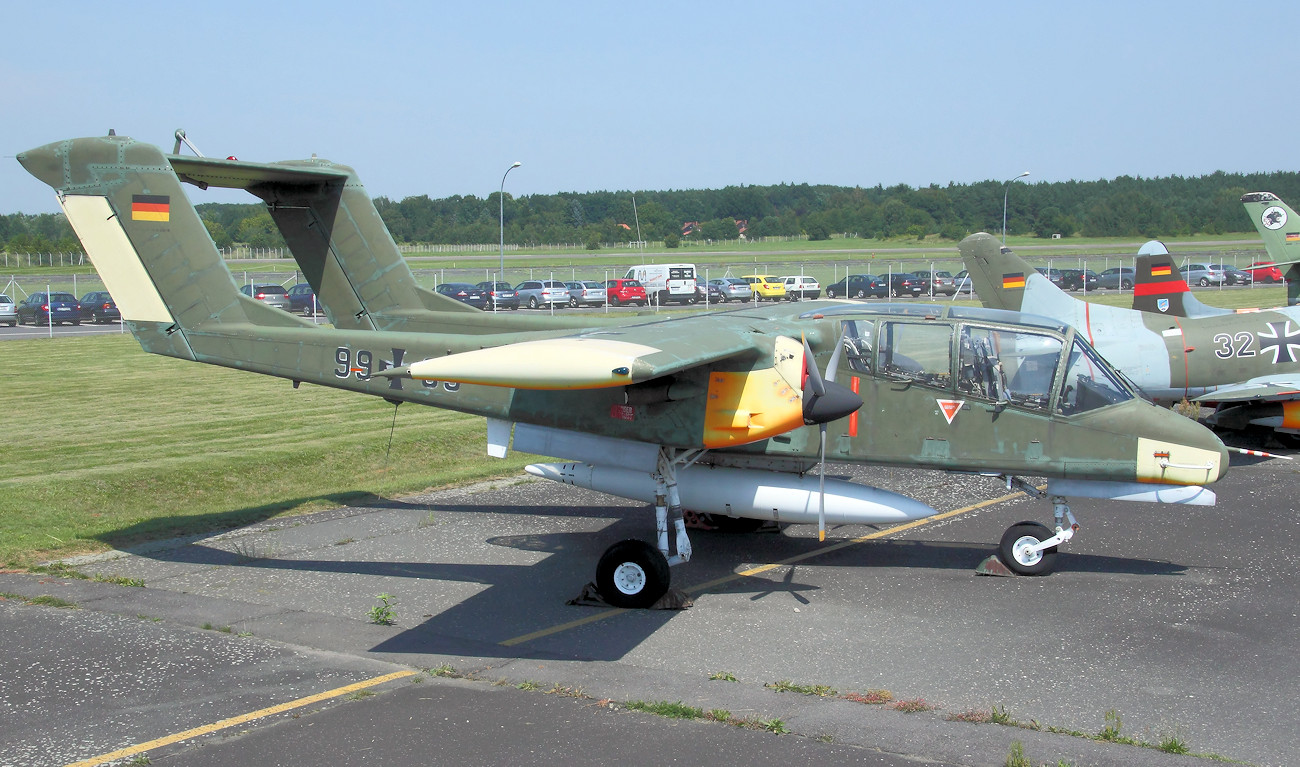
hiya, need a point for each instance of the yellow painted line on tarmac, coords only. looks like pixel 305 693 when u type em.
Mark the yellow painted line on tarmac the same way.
pixel 237 720
pixel 706 586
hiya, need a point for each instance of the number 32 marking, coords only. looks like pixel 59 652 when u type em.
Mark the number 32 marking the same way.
pixel 1229 346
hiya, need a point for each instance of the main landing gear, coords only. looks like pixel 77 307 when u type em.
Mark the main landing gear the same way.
pixel 633 573
pixel 1029 548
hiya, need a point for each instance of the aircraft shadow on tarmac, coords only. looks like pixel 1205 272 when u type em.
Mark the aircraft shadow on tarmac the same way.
pixel 526 598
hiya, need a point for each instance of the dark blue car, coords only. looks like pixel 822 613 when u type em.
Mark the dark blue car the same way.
pixel 302 300
pixel 57 309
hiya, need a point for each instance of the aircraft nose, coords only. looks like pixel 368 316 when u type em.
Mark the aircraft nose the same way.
pixel 1181 452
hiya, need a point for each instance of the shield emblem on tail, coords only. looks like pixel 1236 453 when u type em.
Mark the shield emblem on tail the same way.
pixel 1162 304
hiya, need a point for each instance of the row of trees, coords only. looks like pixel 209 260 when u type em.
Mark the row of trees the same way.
pixel 1125 206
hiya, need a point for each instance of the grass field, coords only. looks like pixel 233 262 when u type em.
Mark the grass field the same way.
pixel 106 445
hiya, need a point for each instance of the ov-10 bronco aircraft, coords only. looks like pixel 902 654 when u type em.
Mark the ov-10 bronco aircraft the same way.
pixel 1247 364
pixel 731 414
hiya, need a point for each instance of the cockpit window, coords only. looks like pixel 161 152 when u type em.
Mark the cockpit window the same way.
pixel 916 352
pixel 1088 384
pixel 858 347
pixel 1007 366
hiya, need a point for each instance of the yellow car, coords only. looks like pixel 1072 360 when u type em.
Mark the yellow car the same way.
pixel 766 287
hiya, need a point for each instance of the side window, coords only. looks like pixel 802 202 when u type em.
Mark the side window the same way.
pixel 631 274
pixel 1007 366
pixel 1088 383
pixel 916 352
pixel 858 347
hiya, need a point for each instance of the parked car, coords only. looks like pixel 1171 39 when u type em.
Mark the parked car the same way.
pixel 465 293
pixel 962 283
pixel 1078 279
pixel 8 311
pixel 858 286
pixel 303 299
pixel 906 284
pixel 733 289
pixel 626 291
pixel 98 307
pixel 1264 271
pixel 538 293
pixel 1117 277
pixel 585 293
pixel 1203 275
pixel 500 295
pixel 766 286
pixel 710 293
pixel 1233 275
pixel 1051 273
pixel 800 286
pixel 941 282
pixel 57 309
pixel 271 295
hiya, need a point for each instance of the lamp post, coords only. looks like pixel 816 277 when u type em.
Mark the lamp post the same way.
pixel 501 198
pixel 1006 189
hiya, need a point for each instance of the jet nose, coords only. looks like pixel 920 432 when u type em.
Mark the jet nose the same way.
pixel 1180 451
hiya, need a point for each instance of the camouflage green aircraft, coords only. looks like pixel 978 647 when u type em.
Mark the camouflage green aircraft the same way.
pixel 1247 364
pixel 728 414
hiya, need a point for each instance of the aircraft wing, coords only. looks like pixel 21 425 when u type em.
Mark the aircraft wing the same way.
pixel 593 360
pixel 1271 389
pixel 237 174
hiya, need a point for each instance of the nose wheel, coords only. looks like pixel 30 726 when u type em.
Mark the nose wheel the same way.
pixel 1020 549
pixel 632 573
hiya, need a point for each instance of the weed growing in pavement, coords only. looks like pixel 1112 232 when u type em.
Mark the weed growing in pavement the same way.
pixel 383 613
pixel 913 706
pixel 718 715
pixel 870 697
pixel 1110 731
pixel 676 710
pixel 362 695
pixel 45 600
pixel 1017 756
pixel 785 685
pixel 528 684
pixel 722 676
pixel 443 670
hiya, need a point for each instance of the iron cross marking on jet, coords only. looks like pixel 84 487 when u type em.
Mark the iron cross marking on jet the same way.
pixel 395 362
pixel 1280 335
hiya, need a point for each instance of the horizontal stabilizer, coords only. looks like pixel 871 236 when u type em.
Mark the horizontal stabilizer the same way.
pixel 1276 390
pixel 237 174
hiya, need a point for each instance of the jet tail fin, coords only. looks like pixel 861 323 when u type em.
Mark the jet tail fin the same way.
pixel 146 240
pixel 1159 286
pixel 1000 277
pixel 1279 227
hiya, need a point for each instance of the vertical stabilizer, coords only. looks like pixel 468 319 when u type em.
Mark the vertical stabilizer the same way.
pixel 1279 227
pixel 1159 286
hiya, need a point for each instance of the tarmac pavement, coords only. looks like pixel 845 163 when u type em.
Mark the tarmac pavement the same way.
pixel 1180 619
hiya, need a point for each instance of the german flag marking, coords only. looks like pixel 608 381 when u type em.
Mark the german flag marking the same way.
pixel 1161 271
pixel 150 207
pixel 1013 280
pixel 1293 236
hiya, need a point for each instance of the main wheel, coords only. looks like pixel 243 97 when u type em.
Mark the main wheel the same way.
pixel 1013 549
pixel 1204 283
pixel 632 573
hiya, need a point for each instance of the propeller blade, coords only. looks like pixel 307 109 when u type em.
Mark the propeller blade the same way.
pixel 810 370
pixel 833 366
pixel 824 401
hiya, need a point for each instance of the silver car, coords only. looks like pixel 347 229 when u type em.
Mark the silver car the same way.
pixel 271 295
pixel 1203 275
pixel 733 289
pixel 586 293
pixel 8 312
pixel 538 293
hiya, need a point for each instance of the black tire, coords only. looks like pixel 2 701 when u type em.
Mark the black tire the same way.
pixel 860 294
pixel 615 302
pixel 893 292
pixel 1038 563
pixel 76 322
pixel 1205 283
pixel 532 302
pixel 1126 284
pixel 632 573
pixel 573 303
pixel 830 293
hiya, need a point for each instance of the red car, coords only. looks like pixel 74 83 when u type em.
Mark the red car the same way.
pixel 1264 271
pixel 625 291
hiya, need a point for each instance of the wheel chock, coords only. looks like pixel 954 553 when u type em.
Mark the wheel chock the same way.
pixel 993 566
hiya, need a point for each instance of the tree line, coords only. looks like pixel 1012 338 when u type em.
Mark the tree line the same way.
pixel 1120 207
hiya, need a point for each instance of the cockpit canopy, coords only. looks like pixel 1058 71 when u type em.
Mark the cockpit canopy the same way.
pixel 1046 369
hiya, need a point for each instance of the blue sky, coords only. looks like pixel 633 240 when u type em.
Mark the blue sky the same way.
pixel 440 98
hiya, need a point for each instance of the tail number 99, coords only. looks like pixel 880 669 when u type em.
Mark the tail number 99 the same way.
pixel 346 364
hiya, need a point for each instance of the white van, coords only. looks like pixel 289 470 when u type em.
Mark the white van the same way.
pixel 666 282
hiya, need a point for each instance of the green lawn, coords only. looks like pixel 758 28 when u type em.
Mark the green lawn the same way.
pixel 107 445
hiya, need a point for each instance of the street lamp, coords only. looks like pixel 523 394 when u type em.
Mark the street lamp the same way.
pixel 1006 189
pixel 501 198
